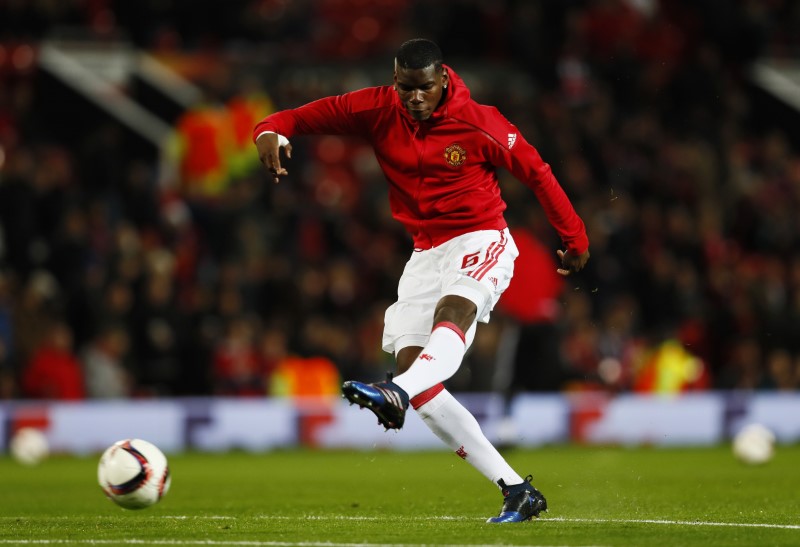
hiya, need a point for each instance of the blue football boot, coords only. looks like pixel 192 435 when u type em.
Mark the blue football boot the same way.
pixel 386 400
pixel 521 502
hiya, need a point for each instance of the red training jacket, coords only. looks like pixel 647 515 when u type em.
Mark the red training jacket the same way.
pixel 442 171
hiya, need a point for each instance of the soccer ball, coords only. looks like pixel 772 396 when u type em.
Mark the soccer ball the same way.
pixel 133 473
pixel 29 446
pixel 754 444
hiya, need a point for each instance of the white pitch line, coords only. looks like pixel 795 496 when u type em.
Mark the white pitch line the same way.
pixel 543 520
pixel 215 542
pixel 677 523
pixel 203 542
pixel 663 522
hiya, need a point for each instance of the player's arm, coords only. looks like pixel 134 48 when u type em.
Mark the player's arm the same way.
pixel 328 116
pixel 524 162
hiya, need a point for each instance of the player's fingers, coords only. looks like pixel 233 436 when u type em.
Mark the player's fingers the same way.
pixel 569 263
pixel 288 149
pixel 274 162
pixel 277 173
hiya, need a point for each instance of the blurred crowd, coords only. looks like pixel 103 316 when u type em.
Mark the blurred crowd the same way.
pixel 123 274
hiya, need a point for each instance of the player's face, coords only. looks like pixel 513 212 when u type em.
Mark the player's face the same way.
pixel 420 89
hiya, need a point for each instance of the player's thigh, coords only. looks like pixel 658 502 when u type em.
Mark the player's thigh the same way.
pixel 408 321
pixel 479 267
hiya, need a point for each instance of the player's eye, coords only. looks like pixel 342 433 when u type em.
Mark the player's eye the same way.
pixel 408 88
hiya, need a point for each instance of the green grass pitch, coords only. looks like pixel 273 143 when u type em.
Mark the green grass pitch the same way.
pixel 597 496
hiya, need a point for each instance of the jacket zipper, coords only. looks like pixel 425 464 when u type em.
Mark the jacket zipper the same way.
pixel 420 155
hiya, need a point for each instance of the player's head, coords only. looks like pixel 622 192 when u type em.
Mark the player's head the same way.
pixel 419 77
pixel 419 53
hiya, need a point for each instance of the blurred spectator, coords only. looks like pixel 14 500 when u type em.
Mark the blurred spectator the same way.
pixel 6 315
pixel 273 348
pixel 744 368
pixel 158 331
pixel 7 371
pixel 53 371
pixel 782 372
pixel 236 365
pixel 670 369
pixel 210 146
pixel 247 106
pixel 104 364
pixel 531 339
pixel 621 345
pixel 479 367
pixel 313 384
pixel 306 378
pixel 34 308
pixel 197 154
pixel 8 384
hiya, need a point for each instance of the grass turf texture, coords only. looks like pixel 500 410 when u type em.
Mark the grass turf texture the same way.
pixel 597 496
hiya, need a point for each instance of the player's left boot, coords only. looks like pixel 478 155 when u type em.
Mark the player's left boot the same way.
pixel 521 502
pixel 386 400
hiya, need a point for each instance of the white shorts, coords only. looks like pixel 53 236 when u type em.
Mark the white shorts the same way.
pixel 477 266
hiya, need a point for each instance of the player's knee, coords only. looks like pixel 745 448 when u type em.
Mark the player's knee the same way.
pixel 457 310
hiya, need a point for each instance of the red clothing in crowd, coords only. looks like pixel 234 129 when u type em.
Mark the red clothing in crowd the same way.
pixel 532 295
pixel 53 373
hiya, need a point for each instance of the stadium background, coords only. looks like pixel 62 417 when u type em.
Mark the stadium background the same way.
pixel 144 256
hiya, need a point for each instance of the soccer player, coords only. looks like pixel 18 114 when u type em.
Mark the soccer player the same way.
pixel 440 152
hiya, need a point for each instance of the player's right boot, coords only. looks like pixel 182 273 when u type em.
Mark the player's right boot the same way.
pixel 386 400
pixel 521 502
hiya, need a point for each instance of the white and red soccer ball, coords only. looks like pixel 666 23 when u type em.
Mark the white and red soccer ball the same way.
pixel 133 473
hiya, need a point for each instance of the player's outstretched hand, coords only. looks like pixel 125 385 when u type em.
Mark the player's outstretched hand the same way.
pixel 570 262
pixel 269 146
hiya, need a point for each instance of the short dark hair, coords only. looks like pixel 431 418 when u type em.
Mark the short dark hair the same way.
pixel 419 53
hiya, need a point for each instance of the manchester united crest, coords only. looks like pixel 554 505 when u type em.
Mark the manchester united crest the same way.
pixel 454 155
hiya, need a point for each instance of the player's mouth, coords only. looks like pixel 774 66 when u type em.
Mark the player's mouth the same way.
pixel 418 112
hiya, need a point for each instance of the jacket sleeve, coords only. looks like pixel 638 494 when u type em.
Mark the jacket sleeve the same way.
pixel 524 162
pixel 327 116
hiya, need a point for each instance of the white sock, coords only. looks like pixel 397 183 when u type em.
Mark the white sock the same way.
pixel 438 360
pixel 459 430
